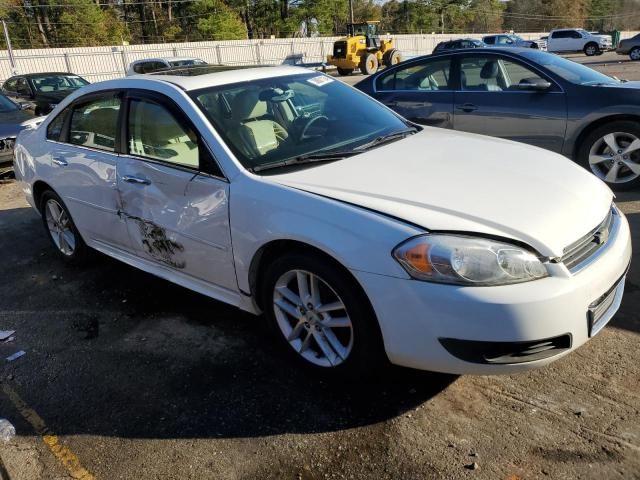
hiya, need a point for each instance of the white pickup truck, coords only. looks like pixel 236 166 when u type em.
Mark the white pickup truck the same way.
pixel 578 40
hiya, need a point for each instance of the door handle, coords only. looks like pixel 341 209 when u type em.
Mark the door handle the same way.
pixel 136 180
pixel 467 107
pixel 60 161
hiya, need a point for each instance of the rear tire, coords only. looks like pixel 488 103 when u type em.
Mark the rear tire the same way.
pixel 61 230
pixel 345 71
pixel 634 54
pixel 299 323
pixel 591 49
pixel 369 64
pixel 608 153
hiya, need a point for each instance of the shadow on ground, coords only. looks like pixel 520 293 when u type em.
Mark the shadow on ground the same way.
pixel 114 351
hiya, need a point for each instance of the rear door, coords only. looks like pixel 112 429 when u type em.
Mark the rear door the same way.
pixel 420 91
pixel 490 102
pixel 82 143
pixel 559 41
pixel 175 198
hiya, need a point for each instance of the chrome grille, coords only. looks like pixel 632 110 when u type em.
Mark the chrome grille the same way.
pixel 583 248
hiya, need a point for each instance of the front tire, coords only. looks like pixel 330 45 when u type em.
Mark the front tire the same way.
pixel 320 317
pixel 345 71
pixel 634 54
pixel 369 64
pixel 61 230
pixel 591 49
pixel 612 153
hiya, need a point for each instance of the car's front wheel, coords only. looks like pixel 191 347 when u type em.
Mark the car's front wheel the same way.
pixel 612 153
pixel 345 71
pixel 320 316
pixel 591 49
pixel 634 54
pixel 61 229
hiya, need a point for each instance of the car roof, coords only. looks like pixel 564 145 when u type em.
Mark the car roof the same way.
pixel 166 59
pixel 214 75
pixel 476 51
pixel 38 74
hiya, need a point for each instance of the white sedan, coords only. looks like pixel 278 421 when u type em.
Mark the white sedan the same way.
pixel 360 236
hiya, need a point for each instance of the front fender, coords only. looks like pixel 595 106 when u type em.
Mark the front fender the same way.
pixel 262 211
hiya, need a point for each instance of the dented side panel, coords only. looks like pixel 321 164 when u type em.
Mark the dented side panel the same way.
pixel 178 219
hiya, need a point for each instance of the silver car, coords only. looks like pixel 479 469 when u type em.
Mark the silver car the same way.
pixel 631 47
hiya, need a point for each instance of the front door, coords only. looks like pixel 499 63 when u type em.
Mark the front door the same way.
pixel 420 92
pixel 175 202
pixel 492 101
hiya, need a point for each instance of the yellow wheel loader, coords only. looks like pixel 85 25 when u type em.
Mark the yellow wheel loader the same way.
pixel 363 49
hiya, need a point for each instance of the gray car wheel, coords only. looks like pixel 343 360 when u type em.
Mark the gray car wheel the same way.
pixel 612 153
pixel 634 54
pixel 61 230
pixel 591 49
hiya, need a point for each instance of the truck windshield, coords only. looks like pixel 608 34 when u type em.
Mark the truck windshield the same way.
pixel 571 71
pixel 270 120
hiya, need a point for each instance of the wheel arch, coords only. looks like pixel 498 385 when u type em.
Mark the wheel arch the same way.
pixel 271 250
pixel 38 188
pixel 599 123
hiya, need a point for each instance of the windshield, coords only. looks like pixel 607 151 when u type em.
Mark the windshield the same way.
pixel 275 119
pixel 187 62
pixel 56 83
pixel 571 71
pixel 7 105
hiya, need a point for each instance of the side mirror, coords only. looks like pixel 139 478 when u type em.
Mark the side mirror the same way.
pixel 535 84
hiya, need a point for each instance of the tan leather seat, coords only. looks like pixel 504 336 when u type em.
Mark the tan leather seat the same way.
pixel 253 134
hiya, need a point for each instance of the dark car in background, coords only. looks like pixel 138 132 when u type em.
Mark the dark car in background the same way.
pixel 458 44
pixel 508 40
pixel 44 90
pixel 13 119
pixel 524 95
pixel 630 46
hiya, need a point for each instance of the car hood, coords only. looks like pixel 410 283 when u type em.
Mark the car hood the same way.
pixel 452 181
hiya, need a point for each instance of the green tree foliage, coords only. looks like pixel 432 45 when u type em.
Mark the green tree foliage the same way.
pixel 51 23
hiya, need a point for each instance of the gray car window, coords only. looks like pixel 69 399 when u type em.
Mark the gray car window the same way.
pixel 432 75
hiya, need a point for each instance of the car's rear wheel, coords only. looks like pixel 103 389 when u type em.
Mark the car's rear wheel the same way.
pixel 345 71
pixel 612 153
pixel 634 54
pixel 591 49
pixel 320 316
pixel 61 229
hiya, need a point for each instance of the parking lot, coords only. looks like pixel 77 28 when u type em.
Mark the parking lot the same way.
pixel 128 376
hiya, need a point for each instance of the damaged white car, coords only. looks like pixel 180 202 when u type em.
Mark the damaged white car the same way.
pixel 360 236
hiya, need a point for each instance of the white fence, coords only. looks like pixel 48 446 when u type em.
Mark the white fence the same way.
pixel 103 63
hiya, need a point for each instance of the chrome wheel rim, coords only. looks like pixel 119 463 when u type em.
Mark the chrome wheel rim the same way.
pixel 635 54
pixel 313 318
pixel 615 158
pixel 59 225
pixel 591 50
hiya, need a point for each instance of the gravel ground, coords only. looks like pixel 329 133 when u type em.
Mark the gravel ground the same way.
pixel 127 376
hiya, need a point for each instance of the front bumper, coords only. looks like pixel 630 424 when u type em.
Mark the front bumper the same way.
pixel 415 316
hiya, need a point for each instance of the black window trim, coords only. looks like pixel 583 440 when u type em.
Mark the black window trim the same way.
pixel 208 165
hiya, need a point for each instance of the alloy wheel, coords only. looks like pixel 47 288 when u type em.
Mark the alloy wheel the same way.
pixel 591 50
pixel 615 157
pixel 635 54
pixel 60 229
pixel 313 318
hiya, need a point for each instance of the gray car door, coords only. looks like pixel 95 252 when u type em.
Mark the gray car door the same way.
pixel 420 91
pixel 493 99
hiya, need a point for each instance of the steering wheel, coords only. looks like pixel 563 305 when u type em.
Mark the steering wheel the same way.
pixel 312 120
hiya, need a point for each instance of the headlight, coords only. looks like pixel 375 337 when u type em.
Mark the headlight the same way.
pixel 464 260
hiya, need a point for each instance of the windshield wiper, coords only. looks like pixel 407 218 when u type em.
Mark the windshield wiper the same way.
pixel 313 157
pixel 389 137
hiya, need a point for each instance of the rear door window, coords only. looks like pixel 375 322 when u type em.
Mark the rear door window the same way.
pixel 94 123
pixel 431 75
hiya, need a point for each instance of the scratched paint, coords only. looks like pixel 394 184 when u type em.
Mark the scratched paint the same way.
pixel 158 245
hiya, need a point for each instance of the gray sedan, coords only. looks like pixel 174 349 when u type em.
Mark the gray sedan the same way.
pixel 630 46
pixel 525 95
pixel 13 118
